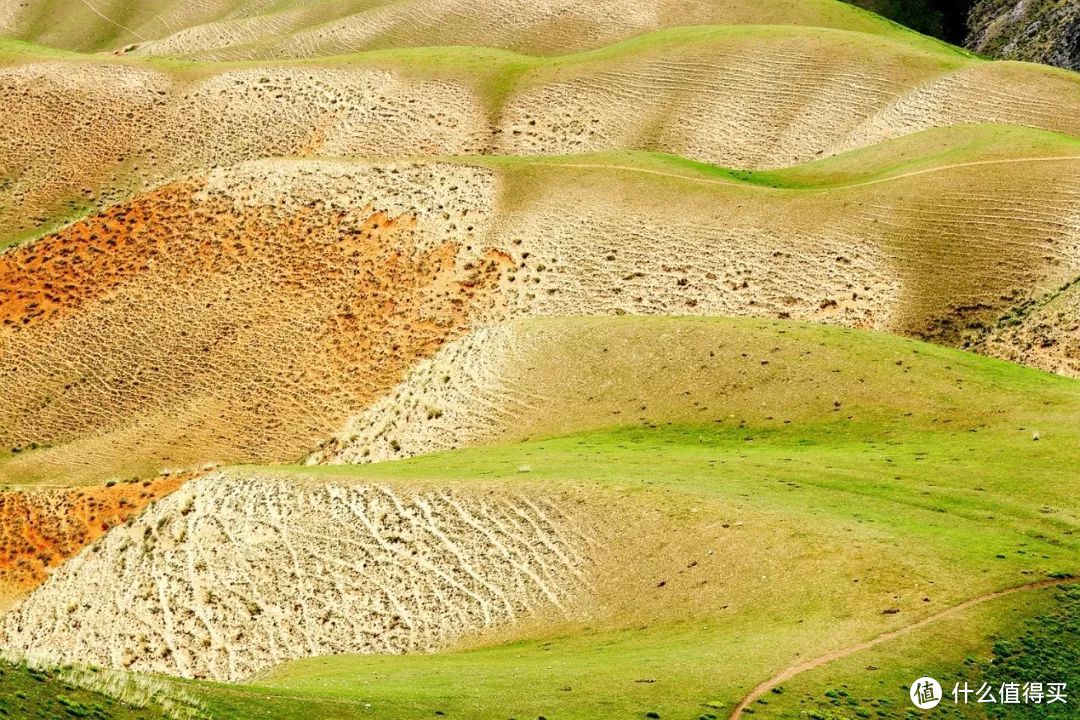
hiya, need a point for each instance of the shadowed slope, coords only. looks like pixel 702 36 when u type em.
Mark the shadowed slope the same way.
pixel 929 252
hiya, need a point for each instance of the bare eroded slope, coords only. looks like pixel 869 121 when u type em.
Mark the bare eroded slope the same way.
pixel 309 288
pixel 41 528
pixel 189 325
pixel 82 134
pixel 250 29
pixel 235 573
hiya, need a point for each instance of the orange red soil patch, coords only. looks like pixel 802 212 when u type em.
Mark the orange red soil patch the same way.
pixel 62 271
pixel 183 327
pixel 41 528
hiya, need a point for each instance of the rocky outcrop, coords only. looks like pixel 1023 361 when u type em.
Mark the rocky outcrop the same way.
pixel 1045 31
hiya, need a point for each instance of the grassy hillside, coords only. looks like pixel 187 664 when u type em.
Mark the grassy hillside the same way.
pixel 769 527
pixel 921 475
pixel 32 693
pixel 874 681
pixel 541 377
pixel 1024 637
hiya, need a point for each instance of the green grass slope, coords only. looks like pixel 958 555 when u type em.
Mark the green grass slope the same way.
pixel 30 693
pixel 1029 637
pixel 924 152
pixel 753 535
pixel 982 644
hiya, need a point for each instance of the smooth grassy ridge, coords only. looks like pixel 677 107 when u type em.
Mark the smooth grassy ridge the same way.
pixel 926 151
pixel 494 71
pixel 635 372
pixel 869 684
pixel 942 510
pixel 969 493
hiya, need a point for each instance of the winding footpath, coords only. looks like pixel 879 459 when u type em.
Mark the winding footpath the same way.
pixel 808 188
pixel 814 663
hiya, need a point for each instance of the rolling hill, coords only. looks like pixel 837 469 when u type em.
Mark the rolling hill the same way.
pixel 898 510
pixel 377 266
pixel 89 131
pixel 232 29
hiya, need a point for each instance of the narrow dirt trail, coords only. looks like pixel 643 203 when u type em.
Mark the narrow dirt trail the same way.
pixel 847 186
pixel 817 662
pixel 108 19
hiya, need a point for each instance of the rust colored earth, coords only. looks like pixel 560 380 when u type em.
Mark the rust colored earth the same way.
pixel 43 527
pixel 183 328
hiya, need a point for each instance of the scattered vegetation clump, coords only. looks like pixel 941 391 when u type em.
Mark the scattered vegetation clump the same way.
pixel 1048 651
pixel 36 689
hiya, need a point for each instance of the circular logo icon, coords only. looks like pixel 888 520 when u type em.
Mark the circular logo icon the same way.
pixel 925 693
